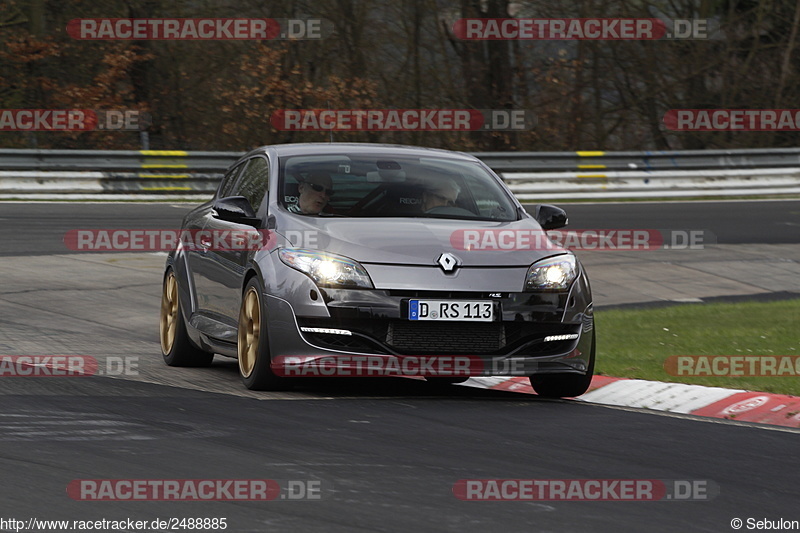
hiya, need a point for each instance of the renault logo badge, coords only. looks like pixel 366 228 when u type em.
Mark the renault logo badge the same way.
pixel 448 262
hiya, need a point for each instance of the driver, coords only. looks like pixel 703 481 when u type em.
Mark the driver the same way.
pixel 315 191
pixel 443 193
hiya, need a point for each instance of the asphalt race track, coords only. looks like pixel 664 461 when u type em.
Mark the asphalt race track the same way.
pixel 387 453
pixel 38 228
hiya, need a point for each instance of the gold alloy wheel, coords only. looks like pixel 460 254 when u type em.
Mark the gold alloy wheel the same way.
pixel 249 332
pixel 169 313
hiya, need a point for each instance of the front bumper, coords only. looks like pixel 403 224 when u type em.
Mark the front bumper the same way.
pixel 513 345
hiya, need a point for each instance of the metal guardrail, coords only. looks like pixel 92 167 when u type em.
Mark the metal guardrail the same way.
pixel 646 161
pixel 530 175
pixel 116 160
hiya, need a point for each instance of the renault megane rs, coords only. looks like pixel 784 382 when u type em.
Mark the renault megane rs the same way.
pixel 376 253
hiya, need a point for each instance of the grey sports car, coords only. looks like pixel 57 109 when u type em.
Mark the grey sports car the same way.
pixel 372 258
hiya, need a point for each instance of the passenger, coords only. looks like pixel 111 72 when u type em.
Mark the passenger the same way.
pixel 442 193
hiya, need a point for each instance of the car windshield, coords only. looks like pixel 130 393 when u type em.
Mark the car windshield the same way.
pixel 356 185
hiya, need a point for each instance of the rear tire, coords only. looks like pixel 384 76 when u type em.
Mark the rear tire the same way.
pixel 176 347
pixel 253 343
pixel 564 385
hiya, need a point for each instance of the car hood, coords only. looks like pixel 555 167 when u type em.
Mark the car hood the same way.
pixel 421 241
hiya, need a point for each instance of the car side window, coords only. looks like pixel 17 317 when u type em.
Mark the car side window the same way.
pixel 254 182
pixel 226 186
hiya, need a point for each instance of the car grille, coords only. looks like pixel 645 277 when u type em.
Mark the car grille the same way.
pixel 455 337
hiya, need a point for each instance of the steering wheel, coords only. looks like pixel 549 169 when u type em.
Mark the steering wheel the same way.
pixel 367 199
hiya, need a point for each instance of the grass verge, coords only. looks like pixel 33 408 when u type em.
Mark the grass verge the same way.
pixel 635 343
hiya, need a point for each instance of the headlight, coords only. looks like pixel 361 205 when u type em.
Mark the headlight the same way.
pixel 552 274
pixel 327 270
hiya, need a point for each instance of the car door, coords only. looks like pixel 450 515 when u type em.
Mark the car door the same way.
pixel 196 254
pixel 224 267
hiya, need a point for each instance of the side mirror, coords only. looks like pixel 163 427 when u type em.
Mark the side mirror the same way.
pixel 236 209
pixel 550 217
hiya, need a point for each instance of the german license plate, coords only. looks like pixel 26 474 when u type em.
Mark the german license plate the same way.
pixel 443 310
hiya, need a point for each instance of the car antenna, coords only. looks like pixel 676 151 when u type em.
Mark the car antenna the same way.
pixel 329 109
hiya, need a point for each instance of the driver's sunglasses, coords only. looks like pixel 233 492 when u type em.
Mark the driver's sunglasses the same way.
pixel 319 188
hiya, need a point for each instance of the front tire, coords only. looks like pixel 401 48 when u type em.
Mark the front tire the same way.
pixel 565 385
pixel 253 343
pixel 176 347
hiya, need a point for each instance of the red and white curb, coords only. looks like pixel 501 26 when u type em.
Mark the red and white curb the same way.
pixel 713 402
